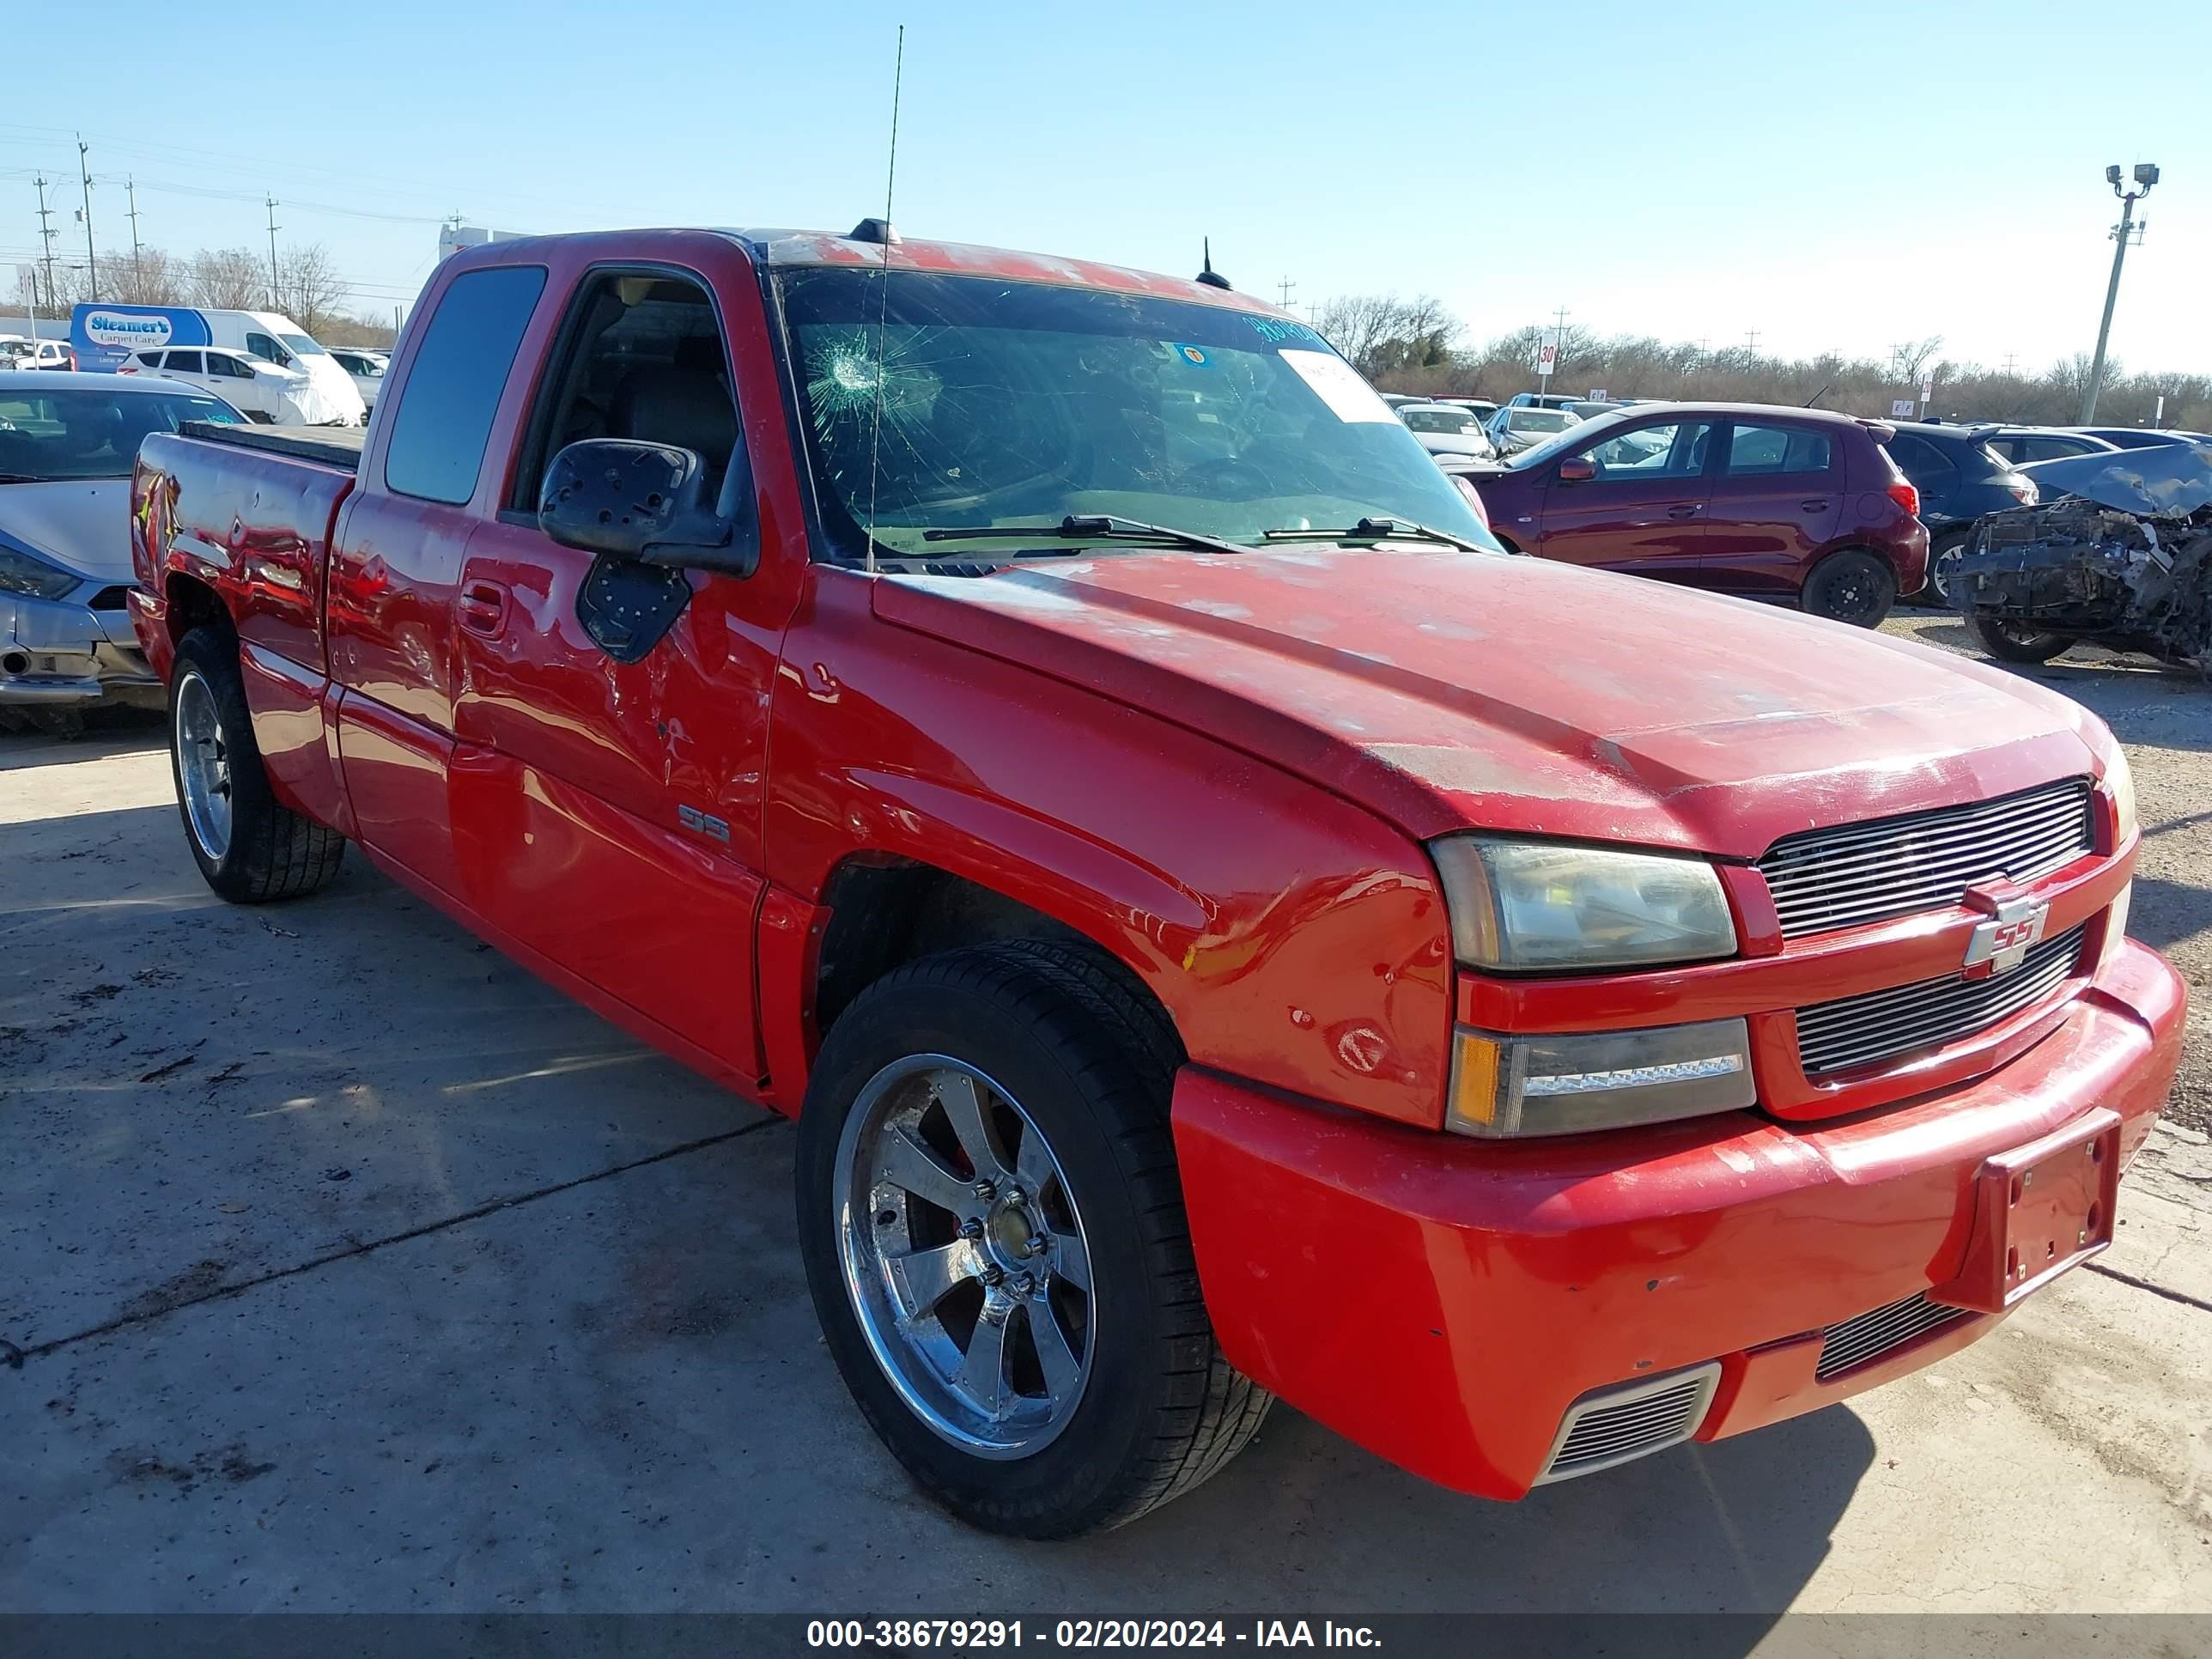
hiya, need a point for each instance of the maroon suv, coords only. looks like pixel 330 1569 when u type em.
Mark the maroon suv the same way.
pixel 1767 502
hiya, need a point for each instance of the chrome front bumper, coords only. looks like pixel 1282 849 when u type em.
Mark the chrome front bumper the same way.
pixel 63 652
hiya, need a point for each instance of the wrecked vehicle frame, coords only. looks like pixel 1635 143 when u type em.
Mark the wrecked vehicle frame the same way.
pixel 2123 560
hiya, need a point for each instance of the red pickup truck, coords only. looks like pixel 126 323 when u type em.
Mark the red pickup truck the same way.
pixel 1225 930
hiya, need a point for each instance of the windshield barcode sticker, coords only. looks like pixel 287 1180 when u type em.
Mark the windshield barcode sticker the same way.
pixel 1348 396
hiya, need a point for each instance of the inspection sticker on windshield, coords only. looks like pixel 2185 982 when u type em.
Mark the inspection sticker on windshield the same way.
pixel 1348 396
pixel 1194 356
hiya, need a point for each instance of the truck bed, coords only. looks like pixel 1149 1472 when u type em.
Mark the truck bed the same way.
pixel 331 445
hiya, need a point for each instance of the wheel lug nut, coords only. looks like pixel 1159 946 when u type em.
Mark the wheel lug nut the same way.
pixel 1014 1195
pixel 1020 1285
pixel 986 1191
pixel 971 1228
pixel 991 1274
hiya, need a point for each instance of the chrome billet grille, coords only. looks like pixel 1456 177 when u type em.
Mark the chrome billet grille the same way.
pixel 1862 1340
pixel 1861 872
pixel 1877 1025
pixel 1630 1422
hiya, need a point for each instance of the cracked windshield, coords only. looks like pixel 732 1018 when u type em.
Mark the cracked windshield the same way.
pixel 942 403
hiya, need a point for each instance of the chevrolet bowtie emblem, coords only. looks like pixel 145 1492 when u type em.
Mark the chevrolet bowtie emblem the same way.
pixel 2000 944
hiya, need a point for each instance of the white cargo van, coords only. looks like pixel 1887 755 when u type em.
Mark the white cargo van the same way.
pixel 106 336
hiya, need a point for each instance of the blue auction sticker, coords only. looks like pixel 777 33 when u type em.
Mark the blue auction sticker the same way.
pixel 1195 356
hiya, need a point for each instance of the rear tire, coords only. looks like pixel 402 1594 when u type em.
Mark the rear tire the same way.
pixel 1081 1249
pixel 1852 586
pixel 250 848
pixel 2010 642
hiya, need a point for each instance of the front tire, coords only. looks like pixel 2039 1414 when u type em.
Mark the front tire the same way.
pixel 1852 586
pixel 2010 642
pixel 994 1232
pixel 250 848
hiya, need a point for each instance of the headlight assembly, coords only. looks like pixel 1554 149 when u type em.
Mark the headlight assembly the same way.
pixel 2122 782
pixel 1546 906
pixel 20 573
pixel 1565 1085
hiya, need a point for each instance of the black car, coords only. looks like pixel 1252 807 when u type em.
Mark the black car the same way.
pixel 1959 477
pixel 2047 443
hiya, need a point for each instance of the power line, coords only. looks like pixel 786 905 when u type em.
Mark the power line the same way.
pixel 46 243
pixel 273 300
pixel 91 259
pixel 137 269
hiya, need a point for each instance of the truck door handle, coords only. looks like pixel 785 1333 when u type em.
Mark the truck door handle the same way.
pixel 1687 510
pixel 482 607
pixel 1819 505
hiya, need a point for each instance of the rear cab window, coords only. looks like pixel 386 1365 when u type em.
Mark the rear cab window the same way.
pixel 442 419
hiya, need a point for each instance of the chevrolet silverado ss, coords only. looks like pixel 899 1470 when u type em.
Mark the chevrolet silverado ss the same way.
pixel 1224 929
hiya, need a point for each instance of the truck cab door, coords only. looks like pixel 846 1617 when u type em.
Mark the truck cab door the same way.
pixel 395 563
pixel 1643 507
pixel 608 796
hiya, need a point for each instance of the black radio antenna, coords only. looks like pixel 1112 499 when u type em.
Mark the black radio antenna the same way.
pixel 884 298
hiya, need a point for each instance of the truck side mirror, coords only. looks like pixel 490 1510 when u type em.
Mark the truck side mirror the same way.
pixel 648 503
pixel 1577 469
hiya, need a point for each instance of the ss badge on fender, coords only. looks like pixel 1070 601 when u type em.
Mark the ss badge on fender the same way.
pixel 1999 945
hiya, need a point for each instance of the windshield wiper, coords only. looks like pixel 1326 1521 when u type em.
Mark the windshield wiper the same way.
pixel 1089 527
pixel 1376 530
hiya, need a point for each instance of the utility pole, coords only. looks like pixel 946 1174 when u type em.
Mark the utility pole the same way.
pixel 91 259
pixel 137 269
pixel 1283 288
pixel 2146 175
pixel 275 304
pixel 46 241
pixel 1750 341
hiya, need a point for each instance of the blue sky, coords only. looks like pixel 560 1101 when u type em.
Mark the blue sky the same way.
pixel 1840 176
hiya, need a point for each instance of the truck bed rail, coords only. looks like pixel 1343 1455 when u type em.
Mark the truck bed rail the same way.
pixel 332 446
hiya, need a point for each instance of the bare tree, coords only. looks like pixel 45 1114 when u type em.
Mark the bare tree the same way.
pixel 1914 355
pixel 228 279
pixel 309 289
pixel 1381 333
pixel 150 277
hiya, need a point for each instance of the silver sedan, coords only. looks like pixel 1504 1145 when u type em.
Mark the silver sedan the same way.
pixel 67 443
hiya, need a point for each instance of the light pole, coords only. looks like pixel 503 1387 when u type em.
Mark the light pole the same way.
pixel 2146 175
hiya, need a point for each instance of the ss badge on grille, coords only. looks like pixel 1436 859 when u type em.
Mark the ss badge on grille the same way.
pixel 2000 944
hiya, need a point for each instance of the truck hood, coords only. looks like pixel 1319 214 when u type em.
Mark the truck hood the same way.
pixel 1448 690
pixel 82 525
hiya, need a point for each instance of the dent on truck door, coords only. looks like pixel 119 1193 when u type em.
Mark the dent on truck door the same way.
pixel 607 813
pixel 395 562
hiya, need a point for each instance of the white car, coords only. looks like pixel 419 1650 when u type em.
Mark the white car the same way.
pixel 273 396
pixel 1517 426
pixel 1447 431
pixel 18 353
pixel 364 368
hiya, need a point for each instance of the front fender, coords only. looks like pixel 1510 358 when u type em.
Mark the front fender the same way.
pixel 1295 939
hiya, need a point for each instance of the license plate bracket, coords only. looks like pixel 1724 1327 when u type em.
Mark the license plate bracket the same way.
pixel 2039 1210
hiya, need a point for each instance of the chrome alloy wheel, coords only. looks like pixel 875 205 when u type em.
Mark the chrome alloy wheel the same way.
pixel 964 1256
pixel 203 764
